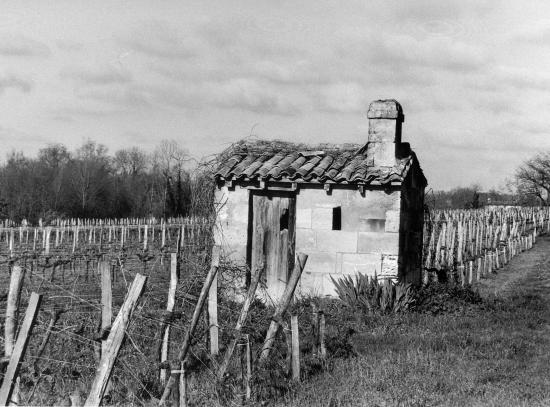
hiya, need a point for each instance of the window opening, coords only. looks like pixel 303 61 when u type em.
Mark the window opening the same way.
pixel 283 222
pixel 337 218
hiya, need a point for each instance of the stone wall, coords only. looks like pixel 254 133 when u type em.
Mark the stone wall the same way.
pixel 368 241
pixel 232 222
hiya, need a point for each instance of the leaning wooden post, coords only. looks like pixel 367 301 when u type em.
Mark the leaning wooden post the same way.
pixel 240 322
pixel 169 309
pixel 53 319
pixel 282 306
pixel 14 293
pixel 295 348
pixel 19 349
pixel 194 321
pixel 114 342
pixel 106 301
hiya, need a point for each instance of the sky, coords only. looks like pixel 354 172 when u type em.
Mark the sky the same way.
pixel 472 76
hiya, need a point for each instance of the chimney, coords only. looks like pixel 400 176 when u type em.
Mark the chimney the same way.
pixel 385 118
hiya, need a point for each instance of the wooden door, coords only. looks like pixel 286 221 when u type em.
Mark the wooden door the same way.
pixel 272 238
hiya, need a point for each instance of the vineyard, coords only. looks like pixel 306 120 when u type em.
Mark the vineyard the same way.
pixel 464 245
pixel 117 309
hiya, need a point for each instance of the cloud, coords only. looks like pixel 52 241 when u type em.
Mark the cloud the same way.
pixel 106 75
pixel 20 46
pixel 15 82
pixel 69 45
pixel 523 78
pixel 253 95
pixel 405 52
pixel 158 39
pixel 126 97
pixel 343 97
pixel 536 33
pixel 247 94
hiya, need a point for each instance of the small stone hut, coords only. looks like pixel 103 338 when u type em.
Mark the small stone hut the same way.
pixel 351 208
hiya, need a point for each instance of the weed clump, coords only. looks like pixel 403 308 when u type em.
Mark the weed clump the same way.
pixel 369 295
pixel 439 298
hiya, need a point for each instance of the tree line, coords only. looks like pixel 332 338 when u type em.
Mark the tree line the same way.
pixel 91 183
pixel 529 186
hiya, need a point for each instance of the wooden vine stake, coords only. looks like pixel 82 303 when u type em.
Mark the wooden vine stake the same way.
pixel 247 376
pixel 282 306
pixel 169 309
pixel 295 348
pixel 106 301
pixel 213 317
pixel 240 322
pixel 182 385
pixel 322 334
pixel 10 326
pixel 19 349
pixel 114 342
pixel 194 321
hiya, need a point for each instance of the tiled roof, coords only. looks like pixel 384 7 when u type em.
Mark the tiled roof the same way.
pixel 279 161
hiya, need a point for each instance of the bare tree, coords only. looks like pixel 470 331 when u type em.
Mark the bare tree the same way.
pixel 89 176
pixel 169 159
pixel 130 161
pixel 533 178
pixel 53 161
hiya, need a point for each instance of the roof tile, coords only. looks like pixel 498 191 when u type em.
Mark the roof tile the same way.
pixel 348 165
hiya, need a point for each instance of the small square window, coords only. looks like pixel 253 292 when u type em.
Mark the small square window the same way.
pixel 337 218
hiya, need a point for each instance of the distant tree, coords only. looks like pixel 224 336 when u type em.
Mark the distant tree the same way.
pixel 88 182
pixel 130 161
pixel 18 187
pixel 533 179
pixel 457 198
pixel 52 168
pixel 89 179
pixel 168 161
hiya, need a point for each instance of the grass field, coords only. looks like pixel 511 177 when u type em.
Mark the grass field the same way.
pixel 493 353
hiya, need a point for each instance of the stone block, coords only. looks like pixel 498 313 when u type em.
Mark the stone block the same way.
pixel 303 218
pixel 336 241
pixel 373 205
pixel 319 262
pixel 372 225
pixel 321 218
pixel 305 240
pixel 392 221
pixel 364 263
pixel 370 242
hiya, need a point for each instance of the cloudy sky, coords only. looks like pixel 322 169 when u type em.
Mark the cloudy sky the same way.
pixel 472 76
